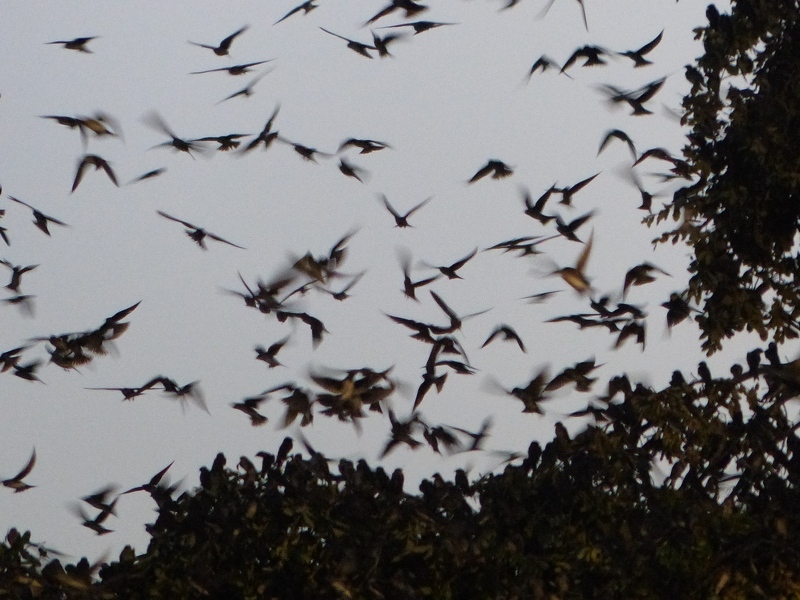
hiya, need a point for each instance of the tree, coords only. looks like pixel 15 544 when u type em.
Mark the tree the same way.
pixel 682 490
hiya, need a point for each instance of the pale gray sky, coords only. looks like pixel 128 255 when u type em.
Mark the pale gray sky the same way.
pixel 448 100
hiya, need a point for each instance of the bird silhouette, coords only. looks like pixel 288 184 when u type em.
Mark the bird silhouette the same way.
pixel 92 160
pixel 640 275
pixel 583 12
pixel 366 146
pixel 410 8
pixel 593 55
pixel 225 45
pixel 198 234
pixel 249 406
pixel 402 220
pixel 268 355
pixel 78 43
pixel 306 152
pixel 568 192
pixel 543 63
pixel 451 271
pixel 568 229
pixel 575 276
pixel 362 49
pixel 40 219
pixel 382 43
pixel 620 135
pixel 148 175
pixel 409 286
pixel 4 230
pixel 350 170
pixel 507 333
pixel 638 56
pixel 535 210
pixel 418 26
pixel 306 7
pixel 235 69
pixel 497 168
pixel 229 141
pixel 16 482
pixel 17 271
pixel 247 90
pixel 267 135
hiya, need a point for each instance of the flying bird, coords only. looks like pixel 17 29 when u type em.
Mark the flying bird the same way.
pixel 16 482
pixel 402 220
pixel 409 286
pixel 235 69
pixel 154 121
pixel 247 90
pixel 92 160
pixel 451 271
pixel 362 49
pixel 17 271
pixel 267 135
pixel 268 355
pixel 78 44
pixel 224 45
pixel 568 229
pixel 568 192
pixel 148 175
pixel 575 276
pixel 535 210
pixel 497 168
pixel 366 146
pixel 638 56
pixel 507 333
pixel 583 12
pixel 593 55
pixel 418 26
pixel 410 7
pixel 229 141
pixel 544 63
pixel 40 219
pixel 198 234
pixel 351 170
pixel 621 136
pixel 306 7
pixel 641 275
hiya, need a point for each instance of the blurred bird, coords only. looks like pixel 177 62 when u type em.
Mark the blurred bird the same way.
pixel 154 121
pixel 568 229
pixel 362 49
pixel 534 210
pixel 41 220
pixel 568 192
pixel 17 272
pixel 497 168
pixel 508 335
pixel 451 271
pixel 198 234
pixel 148 175
pixel 640 275
pixel 402 220
pixel 620 135
pixel 583 12
pixel 92 160
pixel 410 7
pixel 637 56
pixel 235 69
pixel 267 135
pixel 16 482
pixel 576 276
pixel 225 45
pixel 247 90
pixel 544 63
pixel 592 54
pixel 418 26
pixel 268 355
pixel 366 146
pixel 78 44
pixel 306 7
pixel 351 170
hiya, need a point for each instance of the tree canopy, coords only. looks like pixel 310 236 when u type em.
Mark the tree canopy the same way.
pixel 686 490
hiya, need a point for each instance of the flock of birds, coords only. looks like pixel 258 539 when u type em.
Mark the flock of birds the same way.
pixel 349 394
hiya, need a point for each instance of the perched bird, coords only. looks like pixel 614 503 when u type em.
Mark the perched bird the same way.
pixel 637 56
pixel 306 7
pixel 16 482
pixel 40 219
pixel 268 355
pixel 78 44
pixel 235 69
pixel 225 45
pixel 198 234
pixel 362 49
pixel 508 334
pixel 497 168
pixel 92 160
pixel 402 220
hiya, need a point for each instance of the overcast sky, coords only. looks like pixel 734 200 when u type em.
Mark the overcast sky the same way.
pixel 447 100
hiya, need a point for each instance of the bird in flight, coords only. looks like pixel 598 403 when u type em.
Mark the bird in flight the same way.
pixel 419 26
pixel 78 44
pixel 402 220
pixel 154 121
pixel 306 7
pixel 235 69
pixel 497 168
pixel 366 146
pixel 92 160
pixel 450 271
pixel 148 175
pixel 583 12
pixel 16 482
pixel 268 354
pixel 198 234
pixel 224 45
pixel 576 276
pixel 637 56
pixel 621 136
pixel 40 219
pixel 362 49
pixel 247 90
pixel 507 333
pixel 17 272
